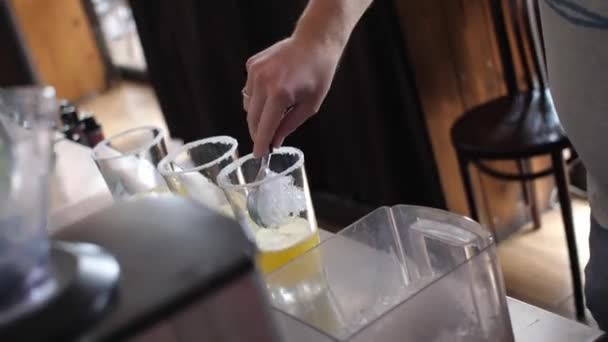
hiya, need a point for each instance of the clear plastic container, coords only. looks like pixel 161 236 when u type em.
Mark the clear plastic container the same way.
pixel 26 117
pixel 399 274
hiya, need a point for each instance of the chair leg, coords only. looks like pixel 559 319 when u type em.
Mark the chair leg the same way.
pixel 468 187
pixel 561 182
pixel 529 191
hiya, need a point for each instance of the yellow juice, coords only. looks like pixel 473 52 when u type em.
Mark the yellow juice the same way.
pixel 270 260
pixel 150 193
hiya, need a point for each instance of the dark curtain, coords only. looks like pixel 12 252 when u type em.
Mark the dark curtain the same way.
pixel 15 68
pixel 367 147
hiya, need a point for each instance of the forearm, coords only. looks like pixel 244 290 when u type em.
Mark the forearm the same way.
pixel 330 21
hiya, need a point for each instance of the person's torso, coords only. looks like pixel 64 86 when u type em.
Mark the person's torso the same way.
pixel 576 40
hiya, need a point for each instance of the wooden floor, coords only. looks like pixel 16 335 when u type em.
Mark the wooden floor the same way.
pixel 534 263
pixel 125 106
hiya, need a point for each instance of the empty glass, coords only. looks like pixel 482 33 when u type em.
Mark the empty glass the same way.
pixel 285 194
pixel 128 160
pixel 26 117
pixel 192 170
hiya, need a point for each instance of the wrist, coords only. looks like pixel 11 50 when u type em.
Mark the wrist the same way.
pixel 329 23
pixel 333 43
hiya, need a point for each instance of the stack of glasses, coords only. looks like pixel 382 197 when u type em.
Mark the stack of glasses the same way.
pixel 135 163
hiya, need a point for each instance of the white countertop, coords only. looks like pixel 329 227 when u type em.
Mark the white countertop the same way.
pixel 533 324
pixel 78 190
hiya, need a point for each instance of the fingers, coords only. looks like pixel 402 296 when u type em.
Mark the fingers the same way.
pixel 256 105
pixel 246 98
pixel 274 108
pixel 255 89
pixel 252 60
pixel 290 123
pixel 248 88
pixel 247 92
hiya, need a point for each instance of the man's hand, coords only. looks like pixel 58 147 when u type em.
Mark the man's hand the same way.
pixel 286 84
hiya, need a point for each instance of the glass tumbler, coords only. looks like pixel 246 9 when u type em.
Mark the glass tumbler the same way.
pixel 26 117
pixel 192 170
pixel 286 194
pixel 128 160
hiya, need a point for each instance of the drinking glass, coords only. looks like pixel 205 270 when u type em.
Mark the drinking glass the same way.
pixel 285 194
pixel 192 170
pixel 26 117
pixel 128 160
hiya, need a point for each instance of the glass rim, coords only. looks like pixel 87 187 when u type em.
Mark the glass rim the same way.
pixel 154 141
pixel 46 91
pixel 215 139
pixel 222 177
pixel 13 98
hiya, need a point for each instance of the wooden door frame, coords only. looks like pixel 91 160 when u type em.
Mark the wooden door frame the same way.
pixel 113 72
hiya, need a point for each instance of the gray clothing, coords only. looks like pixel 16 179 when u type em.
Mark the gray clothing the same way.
pixel 596 275
pixel 576 39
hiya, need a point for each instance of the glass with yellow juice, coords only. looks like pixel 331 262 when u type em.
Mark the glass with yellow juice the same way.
pixel 272 258
pixel 286 197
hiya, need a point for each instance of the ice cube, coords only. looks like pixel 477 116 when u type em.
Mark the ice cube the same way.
pixel 279 199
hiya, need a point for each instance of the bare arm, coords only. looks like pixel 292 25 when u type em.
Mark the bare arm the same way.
pixel 297 71
pixel 331 21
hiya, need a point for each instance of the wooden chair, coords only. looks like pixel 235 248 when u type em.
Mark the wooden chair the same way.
pixel 519 126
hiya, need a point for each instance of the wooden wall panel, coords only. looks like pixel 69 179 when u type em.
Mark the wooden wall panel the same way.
pixel 477 65
pixel 507 208
pixel 456 62
pixel 471 37
pixel 456 67
pixel 62 45
pixel 437 85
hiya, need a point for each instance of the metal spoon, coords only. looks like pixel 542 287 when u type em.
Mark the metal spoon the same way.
pixel 252 197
